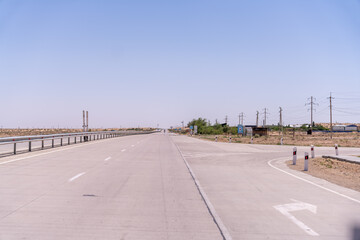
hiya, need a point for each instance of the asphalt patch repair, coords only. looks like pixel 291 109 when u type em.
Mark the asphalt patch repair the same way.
pixel 342 173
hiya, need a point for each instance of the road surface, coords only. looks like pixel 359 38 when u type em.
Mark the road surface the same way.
pixel 162 186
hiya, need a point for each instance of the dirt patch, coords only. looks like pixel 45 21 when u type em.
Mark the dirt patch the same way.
pixel 351 139
pixel 342 173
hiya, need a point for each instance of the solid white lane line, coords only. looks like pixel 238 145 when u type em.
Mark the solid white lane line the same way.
pixel 219 223
pixel 123 150
pixel 108 158
pixel 312 183
pixel 76 176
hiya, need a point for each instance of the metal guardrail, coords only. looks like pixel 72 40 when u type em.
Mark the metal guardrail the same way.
pixel 76 137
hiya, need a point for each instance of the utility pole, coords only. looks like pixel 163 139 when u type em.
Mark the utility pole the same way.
pixel 87 121
pixel 311 103
pixel 83 121
pixel 226 119
pixel 331 129
pixel 182 122
pixel 281 123
pixel 265 114
pixel 241 118
pixel 257 118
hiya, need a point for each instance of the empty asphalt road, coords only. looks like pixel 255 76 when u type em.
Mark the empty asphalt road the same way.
pixel 162 186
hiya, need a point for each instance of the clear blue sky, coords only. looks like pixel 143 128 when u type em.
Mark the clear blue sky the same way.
pixel 139 63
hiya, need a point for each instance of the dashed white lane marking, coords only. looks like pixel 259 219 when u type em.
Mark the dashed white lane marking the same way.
pixel 123 150
pixel 107 159
pixel 76 176
pixel 317 185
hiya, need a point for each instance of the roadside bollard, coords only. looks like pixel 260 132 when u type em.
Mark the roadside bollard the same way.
pixel 281 141
pixel 336 149
pixel 229 139
pixel 251 140
pixel 312 151
pixel 294 155
pixel 306 162
pixel 215 138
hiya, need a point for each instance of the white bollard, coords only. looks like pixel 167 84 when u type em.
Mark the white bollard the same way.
pixel 281 141
pixel 229 139
pixel 251 140
pixel 336 150
pixel 215 138
pixel 306 160
pixel 312 151
pixel 294 155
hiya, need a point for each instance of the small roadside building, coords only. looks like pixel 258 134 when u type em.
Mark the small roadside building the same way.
pixel 350 128
pixel 261 131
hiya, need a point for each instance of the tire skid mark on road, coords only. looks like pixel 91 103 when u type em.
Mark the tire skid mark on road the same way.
pixel 310 182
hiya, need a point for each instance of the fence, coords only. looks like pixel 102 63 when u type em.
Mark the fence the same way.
pixel 19 144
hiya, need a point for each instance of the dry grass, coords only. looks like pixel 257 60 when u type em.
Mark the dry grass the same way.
pixel 10 132
pixel 351 139
pixel 342 173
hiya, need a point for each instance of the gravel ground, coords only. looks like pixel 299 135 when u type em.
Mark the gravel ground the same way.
pixel 339 172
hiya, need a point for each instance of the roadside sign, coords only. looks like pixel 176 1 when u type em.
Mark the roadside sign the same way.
pixel 240 129
pixel 191 127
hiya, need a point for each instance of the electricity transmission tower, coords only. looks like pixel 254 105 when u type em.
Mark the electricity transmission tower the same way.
pixel 312 103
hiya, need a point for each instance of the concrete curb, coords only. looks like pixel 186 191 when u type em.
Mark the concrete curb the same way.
pixel 351 159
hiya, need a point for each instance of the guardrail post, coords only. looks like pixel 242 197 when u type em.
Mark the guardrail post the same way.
pixel 52 142
pixel 61 141
pixel 75 139
pixel 29 146
pixel 294 155
pixel 68 140
pixel 306 160
pixel 14 148
pixel 312 151
pixel 42 144
pixel 336 150
pixel 81 139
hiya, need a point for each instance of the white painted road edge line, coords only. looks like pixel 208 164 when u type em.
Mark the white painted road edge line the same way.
pixel 223 230
pixel 76 176
pixel 107 159
pixel 312 183
pixel 123 150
